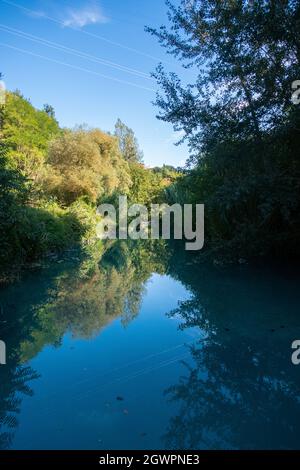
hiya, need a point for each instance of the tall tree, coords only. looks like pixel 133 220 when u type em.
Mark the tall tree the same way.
pixel 128 143
pixel 238 117
pixel 246 54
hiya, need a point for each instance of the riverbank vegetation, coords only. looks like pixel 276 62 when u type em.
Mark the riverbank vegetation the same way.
pixel 52 179
pixel 237 116
pixel 239 119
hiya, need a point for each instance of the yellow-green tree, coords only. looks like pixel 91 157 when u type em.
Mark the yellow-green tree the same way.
pixel 85 164
pixel 26 132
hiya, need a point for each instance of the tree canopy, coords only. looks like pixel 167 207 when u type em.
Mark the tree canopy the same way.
pixel 128 143
pixel 86 163
pixel 238 118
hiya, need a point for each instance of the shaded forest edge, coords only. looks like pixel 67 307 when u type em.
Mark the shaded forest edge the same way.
pixel 238 118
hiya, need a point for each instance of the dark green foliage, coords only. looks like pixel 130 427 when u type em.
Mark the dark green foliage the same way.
pixel 49 110
pixel 13 193
pixel 146 185
pixel 238 120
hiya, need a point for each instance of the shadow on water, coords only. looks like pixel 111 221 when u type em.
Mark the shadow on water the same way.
pixel 239 390
pixel 242 390
pixel 15 377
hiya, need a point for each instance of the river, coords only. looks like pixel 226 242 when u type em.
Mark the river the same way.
pixel 148 350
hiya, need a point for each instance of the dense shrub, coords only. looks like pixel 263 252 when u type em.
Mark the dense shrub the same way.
pixel 85 163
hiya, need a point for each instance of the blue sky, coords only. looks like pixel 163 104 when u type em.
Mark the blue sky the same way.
pixel 103 77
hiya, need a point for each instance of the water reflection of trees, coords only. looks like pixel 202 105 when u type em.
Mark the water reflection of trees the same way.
pixel 79 297
pixel 83 304
pixel 242 390
pixel 15 378
pixel 14 384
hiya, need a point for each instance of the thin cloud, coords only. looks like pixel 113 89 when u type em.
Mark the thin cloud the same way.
pixel 90 14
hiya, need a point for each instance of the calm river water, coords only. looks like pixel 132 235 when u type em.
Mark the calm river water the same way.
pixel 146 350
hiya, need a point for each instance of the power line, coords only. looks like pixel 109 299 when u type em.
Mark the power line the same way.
pixel 75 52
pixel 76 67
pixel 96 36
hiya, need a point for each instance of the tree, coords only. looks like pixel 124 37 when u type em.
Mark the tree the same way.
pixel 26 132
pixel 246 55
pixel 49 110
pixel 13 194
pixel 85 163
pixel 147 186
pixel 237 118
pixel 128 143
